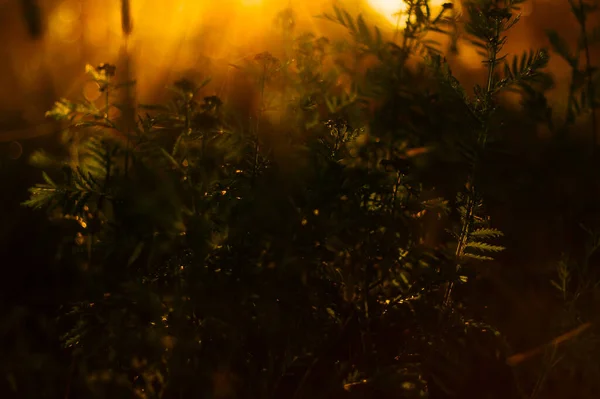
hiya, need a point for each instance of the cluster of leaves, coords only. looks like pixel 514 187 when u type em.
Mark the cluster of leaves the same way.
pixel 213 270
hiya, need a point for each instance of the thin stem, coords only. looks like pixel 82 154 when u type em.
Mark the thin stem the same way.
pixel 395 193
pixel 467 220
pixel 590 83
pixel 469 214
pixel 260 111
pixel 570 115
pixel 407 30
pixel 129 117
pixel 493 54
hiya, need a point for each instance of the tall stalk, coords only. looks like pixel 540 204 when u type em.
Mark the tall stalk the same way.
pixel 489 20
pixel 581 14
pixel 257 127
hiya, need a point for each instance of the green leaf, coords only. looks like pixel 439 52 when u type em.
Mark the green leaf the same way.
pixel 48 180
pixel 62 110
pixel 170 158
pixel 482 246
pixel 331 313
pixel 42 159
pixel 486 233
pixel 477 257
pixel 557 286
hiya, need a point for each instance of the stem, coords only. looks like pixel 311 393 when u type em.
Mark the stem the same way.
pixel 129 114
pixel 492 59
pixel 407 29
pixel 570 116
pixel 260 111
pixel 188 131
pixel 395 193
pixel 107 179
pixel 469 213
pixel 543 377
pixel 467 220
pixel 590 83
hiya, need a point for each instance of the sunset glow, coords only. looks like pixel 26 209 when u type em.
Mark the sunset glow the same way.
pixel 172 38
pixel 394 10
pixel 391 9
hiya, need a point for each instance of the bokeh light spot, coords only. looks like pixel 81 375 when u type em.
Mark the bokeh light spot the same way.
pixel 64 22
pixel 91 91
pixel 395 10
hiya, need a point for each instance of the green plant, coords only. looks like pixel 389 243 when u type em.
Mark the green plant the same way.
pixel 217 267
pixel 486 26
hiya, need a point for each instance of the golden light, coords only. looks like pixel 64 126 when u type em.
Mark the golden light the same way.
pixel 191 38
pixel 251 2
pixel 63 22
pixel 171 37
pixel 391 9
pixel 394 10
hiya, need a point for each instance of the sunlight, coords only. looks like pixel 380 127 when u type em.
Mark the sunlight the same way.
pixel 393 10
pixel 177 37
pixel 390 9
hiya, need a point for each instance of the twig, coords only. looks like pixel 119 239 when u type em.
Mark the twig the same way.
pixel 521 357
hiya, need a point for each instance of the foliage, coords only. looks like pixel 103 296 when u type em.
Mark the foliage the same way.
pixel 583 89
pixel 215 266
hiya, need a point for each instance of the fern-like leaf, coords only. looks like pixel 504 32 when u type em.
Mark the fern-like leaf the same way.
pixel 486 233
pixel 485 247
pixel 477 257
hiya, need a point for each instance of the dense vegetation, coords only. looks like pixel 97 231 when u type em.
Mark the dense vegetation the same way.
pixel 333 243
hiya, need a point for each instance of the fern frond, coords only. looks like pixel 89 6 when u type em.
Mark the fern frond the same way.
pixel 523 69
pixel 41 196
pixel 62 110
pixel 486 233
pixel 484 247
pixel 477 257
pixel 42 159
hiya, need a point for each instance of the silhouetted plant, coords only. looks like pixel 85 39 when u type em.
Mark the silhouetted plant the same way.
pixel 216 269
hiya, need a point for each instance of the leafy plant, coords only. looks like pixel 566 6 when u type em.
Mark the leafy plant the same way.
pixel 218 267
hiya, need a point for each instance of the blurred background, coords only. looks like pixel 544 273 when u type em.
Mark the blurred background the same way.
pixel 46 44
